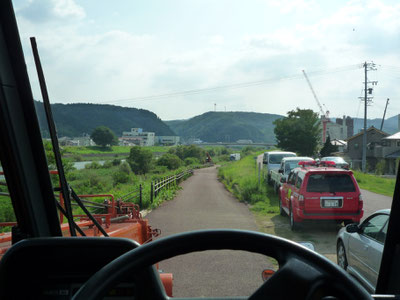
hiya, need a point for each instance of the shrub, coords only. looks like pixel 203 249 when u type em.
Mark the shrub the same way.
pixel 191 161
pixel 93 165
pixel 125 168
pixel 116 162
pixel 120 177
pixel 171 161
pixel 380 167
pixel 107 164
pixel 77 158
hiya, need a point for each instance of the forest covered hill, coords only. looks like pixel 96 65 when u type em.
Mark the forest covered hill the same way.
pixel 77 119
pixel 227 127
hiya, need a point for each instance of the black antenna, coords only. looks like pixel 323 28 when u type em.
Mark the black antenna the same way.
pixel 54 140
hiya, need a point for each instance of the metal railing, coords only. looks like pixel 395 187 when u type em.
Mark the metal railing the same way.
pixel 166 182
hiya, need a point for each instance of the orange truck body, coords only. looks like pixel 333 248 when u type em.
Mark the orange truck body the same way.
pixel 122 220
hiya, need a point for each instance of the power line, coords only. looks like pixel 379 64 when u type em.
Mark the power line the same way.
pixel 232 86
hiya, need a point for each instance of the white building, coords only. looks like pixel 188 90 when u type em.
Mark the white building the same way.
pixel 138 137
pixel 166 140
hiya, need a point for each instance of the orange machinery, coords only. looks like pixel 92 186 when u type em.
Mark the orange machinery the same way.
pixel 118 219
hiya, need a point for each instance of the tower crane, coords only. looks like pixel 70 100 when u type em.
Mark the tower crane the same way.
pixel 324 114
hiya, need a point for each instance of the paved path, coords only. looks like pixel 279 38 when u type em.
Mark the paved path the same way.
pixel 374 202
pixel 204 203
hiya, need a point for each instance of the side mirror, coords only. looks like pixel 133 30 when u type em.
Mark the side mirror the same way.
pixel 265 162
pixel 351 228
pixel 280 171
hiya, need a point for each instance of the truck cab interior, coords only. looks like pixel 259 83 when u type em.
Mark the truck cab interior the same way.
pixel 42 264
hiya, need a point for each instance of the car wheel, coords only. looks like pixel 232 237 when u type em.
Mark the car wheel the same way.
pixel 293 224
pixel 341 255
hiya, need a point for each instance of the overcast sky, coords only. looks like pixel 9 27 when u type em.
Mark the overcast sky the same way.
pixel 251 51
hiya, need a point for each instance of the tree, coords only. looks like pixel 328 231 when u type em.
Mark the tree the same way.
pixel 103 136
pixel 171 161
pixel 328 148
pixel 140 160
pixel 298 132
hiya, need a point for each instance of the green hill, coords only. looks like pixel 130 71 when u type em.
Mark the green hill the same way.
pixel 76 119
pixel 227 127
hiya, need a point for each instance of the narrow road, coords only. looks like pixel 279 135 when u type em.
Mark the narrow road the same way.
pixel 374 202
pixel 204 203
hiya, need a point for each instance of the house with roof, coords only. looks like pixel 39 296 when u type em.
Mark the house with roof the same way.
pixel 355 146
pixel 389 150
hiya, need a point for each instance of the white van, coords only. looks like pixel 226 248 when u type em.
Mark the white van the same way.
pixel 273 159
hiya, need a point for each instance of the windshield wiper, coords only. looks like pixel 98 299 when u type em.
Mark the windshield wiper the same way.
pixel 66 190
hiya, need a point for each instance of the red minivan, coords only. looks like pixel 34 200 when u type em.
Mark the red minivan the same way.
pixel 322 193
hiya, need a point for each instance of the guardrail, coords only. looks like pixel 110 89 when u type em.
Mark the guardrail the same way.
pixel 166 182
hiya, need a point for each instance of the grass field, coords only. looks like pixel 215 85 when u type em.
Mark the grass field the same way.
pixel 80 150
pixel 241 178
pixel 376 184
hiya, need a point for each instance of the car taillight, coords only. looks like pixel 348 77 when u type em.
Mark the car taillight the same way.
pixel 360 202
pixel 301 200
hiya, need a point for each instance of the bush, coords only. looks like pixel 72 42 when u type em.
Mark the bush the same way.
pixel 125 168
pixel 191 161
pixel 77 158
pixel 120 177
pixel 225 157
pixel 93 165
pixel 107 164
pixel 160 170
pixel 380 167
pixel 171 161
pixel 116 162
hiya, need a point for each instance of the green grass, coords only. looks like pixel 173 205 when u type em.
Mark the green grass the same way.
pixel 376 184
pixel 107 150
pixel 241 178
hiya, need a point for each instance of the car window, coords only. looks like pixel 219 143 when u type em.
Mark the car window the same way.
pixel 382 234
pixel 372 227
pixel 277 158
pixel 292 178
pixel 299 181
pixel 330 183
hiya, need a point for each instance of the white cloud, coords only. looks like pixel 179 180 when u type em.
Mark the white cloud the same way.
pixel 87 66
pixel 68 8
pixel 40 11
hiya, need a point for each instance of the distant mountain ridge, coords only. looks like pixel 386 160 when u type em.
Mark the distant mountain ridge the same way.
pixel 77 119
pixel 390 125
pixel 227 127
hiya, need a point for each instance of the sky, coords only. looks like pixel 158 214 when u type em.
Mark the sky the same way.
pixel 181 58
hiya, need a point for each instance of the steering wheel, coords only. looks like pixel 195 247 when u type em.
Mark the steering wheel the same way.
pixel 302 274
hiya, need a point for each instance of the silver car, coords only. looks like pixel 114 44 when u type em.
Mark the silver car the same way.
pixel 339 162
pixel 360 248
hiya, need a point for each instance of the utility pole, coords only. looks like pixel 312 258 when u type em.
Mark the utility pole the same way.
pixel 367 67
pixel 384 113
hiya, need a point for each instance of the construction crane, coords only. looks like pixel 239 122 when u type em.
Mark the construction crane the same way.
pixel 324 114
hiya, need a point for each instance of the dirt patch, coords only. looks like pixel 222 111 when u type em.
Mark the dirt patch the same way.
pixel 321 233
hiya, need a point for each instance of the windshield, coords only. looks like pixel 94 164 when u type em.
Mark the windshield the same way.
pixel 167 111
